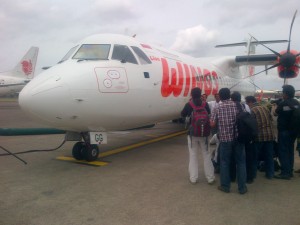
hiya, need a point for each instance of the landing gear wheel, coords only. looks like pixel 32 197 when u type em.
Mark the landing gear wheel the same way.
pixel 91 154
pixel 78 150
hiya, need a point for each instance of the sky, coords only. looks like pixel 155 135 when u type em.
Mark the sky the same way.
pixel 192 27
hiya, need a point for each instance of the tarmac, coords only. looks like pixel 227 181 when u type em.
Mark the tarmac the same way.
pixel 145 183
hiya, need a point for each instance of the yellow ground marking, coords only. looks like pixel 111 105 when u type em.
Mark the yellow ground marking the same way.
pixel 129 147
pixel 152 135
pixel 71 159
pixel 121 149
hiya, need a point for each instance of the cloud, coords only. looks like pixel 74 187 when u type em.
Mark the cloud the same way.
pixel 196 41
pixel 110 12
pixel 241 14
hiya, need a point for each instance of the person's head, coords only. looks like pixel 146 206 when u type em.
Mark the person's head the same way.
pixel 217 97
pixel 224 94
pixel 204 97
pixel 196 93
pixel 288 91
pixel 250 100
pixel 236 96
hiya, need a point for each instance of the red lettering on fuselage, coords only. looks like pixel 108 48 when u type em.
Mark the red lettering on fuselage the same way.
pixel 215 77
pixel 207 82
pixel 187 80
pixel 186 77
pixel 200 78
pixel 176 81
pixel 154 58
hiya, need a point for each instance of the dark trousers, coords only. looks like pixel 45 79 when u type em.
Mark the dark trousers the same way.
pixel 251 161
pixel 265 149
pixel 286 140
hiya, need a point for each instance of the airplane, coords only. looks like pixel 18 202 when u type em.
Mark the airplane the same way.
pixel 12 82
pixel 267 94
pixel 110 82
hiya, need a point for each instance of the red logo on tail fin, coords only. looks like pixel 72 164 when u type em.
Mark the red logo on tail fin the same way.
pixel 27 67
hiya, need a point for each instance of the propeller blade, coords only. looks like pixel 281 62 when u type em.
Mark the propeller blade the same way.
pixel 288 49
pixel 276 53
pixel 271 67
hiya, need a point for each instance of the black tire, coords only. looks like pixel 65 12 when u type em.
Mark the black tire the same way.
pixel 91 153
pixel 78 150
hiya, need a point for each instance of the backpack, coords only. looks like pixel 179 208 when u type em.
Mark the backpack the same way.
pixel 246 125
pixel 295 120
pixel 200 126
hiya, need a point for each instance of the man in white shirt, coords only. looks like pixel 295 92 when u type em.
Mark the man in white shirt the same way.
pixel 213 104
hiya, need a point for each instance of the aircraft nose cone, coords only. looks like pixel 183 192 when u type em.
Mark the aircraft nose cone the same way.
pixel 22 99
pixel 43 101
pixel 25 99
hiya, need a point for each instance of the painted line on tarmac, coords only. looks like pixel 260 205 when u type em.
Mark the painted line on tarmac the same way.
pixel 121 149
pixel 71 159
pixel 140 144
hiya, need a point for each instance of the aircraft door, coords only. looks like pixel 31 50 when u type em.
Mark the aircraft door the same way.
pixel 112 80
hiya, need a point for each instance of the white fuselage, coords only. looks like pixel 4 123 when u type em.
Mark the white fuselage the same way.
pixel 105 95
pixel 10 85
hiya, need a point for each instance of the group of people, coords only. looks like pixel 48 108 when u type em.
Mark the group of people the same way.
pixel 239 159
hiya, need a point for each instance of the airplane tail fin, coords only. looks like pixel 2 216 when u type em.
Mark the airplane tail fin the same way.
pixel 250 44
pixel 26 67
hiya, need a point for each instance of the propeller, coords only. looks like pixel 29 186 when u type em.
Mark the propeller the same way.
pixel 287 61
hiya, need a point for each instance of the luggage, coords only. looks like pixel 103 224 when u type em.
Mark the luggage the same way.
pixel 200 126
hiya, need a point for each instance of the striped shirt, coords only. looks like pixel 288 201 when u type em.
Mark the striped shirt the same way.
pixel 225 117
pixel 264 122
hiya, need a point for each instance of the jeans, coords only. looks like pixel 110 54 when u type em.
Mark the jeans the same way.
pixel 238 150
pixel 265 149
pixel 286 140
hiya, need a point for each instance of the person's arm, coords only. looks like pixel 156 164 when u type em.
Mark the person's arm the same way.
pixel 186 111
pixel 207 108
pixel 279 108
pixel 213 118
pixel 212 123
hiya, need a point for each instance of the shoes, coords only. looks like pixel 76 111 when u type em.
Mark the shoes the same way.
pixel 193 182
pixel 244 191
pixel 223 189
pixel 217 170
pixel 211 182
pixel 283 177
pixel 297 171
pixel 250 181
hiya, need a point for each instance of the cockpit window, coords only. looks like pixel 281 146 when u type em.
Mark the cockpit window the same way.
pixel 68 55
pixel 142 56
pixel 123 53
pixel 92 52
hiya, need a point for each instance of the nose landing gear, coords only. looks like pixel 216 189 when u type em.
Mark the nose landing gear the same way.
pixel 83 150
